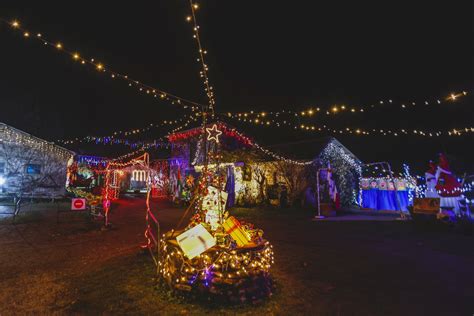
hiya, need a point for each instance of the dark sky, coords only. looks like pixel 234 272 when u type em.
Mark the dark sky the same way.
pixel 265 55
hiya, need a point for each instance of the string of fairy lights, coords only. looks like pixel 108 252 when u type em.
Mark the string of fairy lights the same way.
pixel 10 135
pixel 131 132
pixel 312 112
pixel 100 67
pixel 283 118
pixel 204 67
pixel 271 123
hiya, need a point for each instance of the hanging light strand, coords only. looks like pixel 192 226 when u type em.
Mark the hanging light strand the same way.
pixel 340 109
pixel 201 52
pixel 130 132
pixel 351 130
pixel 146 146
pixel 141 87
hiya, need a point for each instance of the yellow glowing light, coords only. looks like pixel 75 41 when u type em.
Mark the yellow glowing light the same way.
pixel 310 112
pixel 335 109
pixel 75 56
pixel 256 120
pixel 15 24
pixel 213 133
pixel 59 45
pixel 263 113
pixel 453 96
pixel 26 34
pixel 100 66
pixel 188 18
pixel 196 6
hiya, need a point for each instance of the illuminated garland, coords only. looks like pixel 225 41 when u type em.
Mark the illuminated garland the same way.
pixel 338 109
pixel 141 87
pixel 220 270
pixel 147 145
pixel 13 136
pixel 354 131
pixel 131 132
pixel 205 68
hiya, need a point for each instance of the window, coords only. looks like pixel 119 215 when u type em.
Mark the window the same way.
pixel 2 168
pixel 33 169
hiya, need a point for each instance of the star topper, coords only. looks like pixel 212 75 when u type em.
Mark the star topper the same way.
pixel 213 133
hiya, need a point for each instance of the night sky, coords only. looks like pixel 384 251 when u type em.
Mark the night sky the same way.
pixel 262 55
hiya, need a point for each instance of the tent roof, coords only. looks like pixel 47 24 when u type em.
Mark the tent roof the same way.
pixel 4 126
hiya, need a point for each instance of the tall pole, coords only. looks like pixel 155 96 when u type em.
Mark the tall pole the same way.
pixel 318 200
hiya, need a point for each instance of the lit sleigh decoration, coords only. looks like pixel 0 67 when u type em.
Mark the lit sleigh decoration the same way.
pixel 216 255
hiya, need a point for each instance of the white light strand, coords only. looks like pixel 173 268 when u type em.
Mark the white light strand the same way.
pixel 333 110
pixel 355 131
pixel 14 136
pixel 131 132
pixel 205 69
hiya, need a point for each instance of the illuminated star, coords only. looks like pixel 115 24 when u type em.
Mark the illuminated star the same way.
pixel 213 133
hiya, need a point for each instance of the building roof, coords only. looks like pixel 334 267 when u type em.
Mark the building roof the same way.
pixel 14 135
pixel 304 150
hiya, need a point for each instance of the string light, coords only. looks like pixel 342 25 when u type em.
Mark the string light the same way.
pixel 12 135
pixel 131 132
pixel 153 91
pixel 355 131
pixel 339 109
pixel 204 68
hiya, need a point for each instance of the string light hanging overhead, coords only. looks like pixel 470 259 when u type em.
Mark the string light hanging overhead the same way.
pixel 132 132
pixel 351 130
pixel 142 88
pixel 201 53
pixel 334 110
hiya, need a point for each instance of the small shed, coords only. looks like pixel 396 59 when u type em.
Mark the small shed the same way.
pixel 30 166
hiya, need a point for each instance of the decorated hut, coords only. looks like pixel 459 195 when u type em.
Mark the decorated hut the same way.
pixel 30 166
pixel 280 174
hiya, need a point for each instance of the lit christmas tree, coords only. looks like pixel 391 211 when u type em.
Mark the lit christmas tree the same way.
pixel 215 254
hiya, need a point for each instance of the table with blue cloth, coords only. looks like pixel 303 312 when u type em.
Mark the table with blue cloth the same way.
pixel 384 199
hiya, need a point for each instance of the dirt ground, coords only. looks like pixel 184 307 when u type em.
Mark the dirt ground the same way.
pixel 351 267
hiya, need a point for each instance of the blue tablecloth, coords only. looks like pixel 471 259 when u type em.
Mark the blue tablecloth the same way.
pixel 384 199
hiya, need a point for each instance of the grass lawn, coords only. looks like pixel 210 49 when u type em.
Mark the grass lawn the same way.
pixel 321 268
